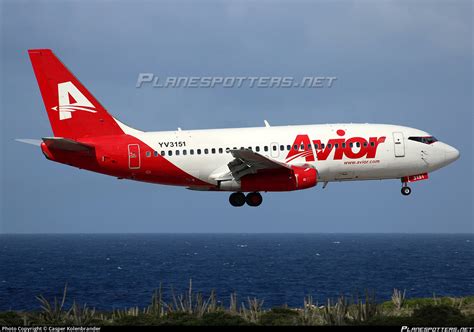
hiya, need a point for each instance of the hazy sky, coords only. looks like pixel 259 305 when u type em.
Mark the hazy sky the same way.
pixel 400 62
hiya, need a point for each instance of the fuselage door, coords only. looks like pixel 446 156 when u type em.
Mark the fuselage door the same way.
pixel 133 156
pixel 399 144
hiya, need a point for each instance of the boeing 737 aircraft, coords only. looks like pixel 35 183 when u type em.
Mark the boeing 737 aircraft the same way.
pixel 240 160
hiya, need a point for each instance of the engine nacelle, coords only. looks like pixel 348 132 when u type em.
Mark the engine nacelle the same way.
pixel 306 177
pixel 280 179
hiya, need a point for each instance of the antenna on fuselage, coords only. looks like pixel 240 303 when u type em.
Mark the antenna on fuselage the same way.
pixel 266 123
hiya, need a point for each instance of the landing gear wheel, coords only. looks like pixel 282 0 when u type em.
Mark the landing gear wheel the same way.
pixel 237 199
pixel 406 191
pixel 254 199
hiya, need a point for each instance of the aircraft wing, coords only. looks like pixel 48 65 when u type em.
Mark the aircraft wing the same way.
pixel 249 162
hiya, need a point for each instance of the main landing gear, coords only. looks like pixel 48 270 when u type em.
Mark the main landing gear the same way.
pixel 406 190
pixel 239 199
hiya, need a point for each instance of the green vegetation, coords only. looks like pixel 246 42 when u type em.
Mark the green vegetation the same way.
pixel 195 309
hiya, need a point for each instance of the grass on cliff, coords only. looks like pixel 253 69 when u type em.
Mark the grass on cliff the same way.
pixel 194 308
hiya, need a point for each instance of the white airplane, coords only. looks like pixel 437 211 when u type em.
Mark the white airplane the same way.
pixel 240 160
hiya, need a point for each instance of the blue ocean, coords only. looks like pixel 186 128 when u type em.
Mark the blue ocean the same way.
pixel 118 271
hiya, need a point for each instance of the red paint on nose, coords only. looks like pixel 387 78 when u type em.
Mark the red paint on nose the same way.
pixel 340 132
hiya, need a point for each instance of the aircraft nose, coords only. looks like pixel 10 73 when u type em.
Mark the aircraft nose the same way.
pixel 451 154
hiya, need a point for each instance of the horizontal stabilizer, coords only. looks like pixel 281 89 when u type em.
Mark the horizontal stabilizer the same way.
pixel 66 144
pixel 31 141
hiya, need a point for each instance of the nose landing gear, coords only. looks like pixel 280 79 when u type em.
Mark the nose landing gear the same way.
pixel 252 199
pixel 406 190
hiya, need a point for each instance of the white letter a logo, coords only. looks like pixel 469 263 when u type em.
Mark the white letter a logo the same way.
pixel 71 100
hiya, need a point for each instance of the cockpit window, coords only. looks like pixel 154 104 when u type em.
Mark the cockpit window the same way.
pixel 423 139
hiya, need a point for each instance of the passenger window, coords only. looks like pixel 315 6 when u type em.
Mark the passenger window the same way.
pixel 372 144
pixel 288 147
pixel 365 144
pixel 184 152
pixel 155 153
pixel 282 147
pixel 274 148
pixel 302 146
pixel 343 145
pixel 170 153
pixel 316 146
pixel 206 151
pixel 322 146
pixel 309 146
pixel 265 148
pixel 148 154
pixel 198 151
pixel 358 144
pixel 177 152
pixel 227 150
pixel 336 145
pixel 191 151
pixel 257 148
pixel 295 147
pixel 163 153
pixel 213 151
pixel 221 150
pixel 329 145
pixel 250 148
pixel 351 145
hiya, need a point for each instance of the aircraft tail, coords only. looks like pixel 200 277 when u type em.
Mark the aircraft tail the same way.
pixel 72 110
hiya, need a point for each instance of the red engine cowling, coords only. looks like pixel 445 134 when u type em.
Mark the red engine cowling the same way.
pixel 295 178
